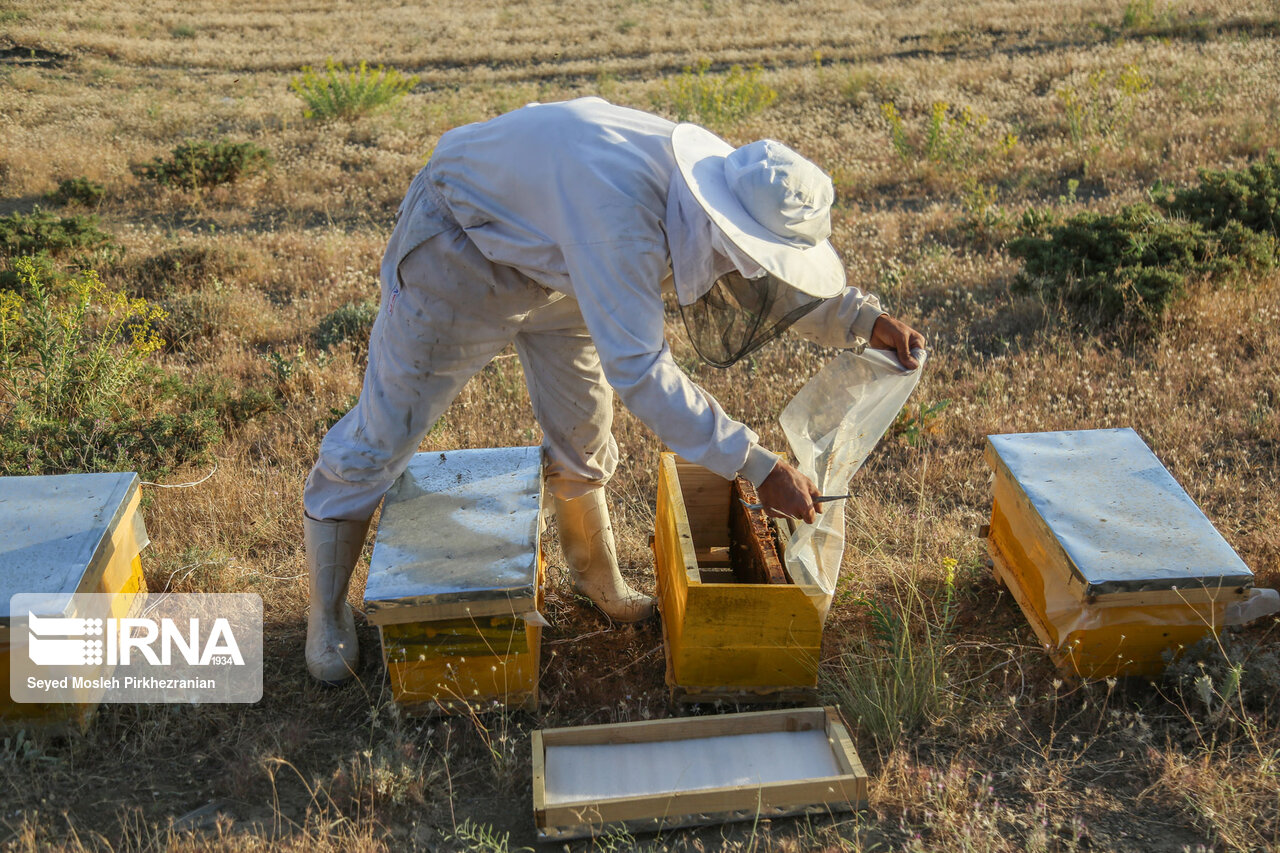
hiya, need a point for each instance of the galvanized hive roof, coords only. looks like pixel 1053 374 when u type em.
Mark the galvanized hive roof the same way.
pixel 55 531
pixel 460 526
pixel 1123 521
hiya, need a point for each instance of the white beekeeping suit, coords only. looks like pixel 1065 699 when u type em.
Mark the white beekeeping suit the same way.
pixel 554 227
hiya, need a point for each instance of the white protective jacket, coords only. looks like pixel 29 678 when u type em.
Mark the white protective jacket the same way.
pixel 573 195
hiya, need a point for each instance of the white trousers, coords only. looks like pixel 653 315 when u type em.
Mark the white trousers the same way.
pixel 450 314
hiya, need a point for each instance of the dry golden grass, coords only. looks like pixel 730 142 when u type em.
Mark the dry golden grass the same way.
pixel 1010 759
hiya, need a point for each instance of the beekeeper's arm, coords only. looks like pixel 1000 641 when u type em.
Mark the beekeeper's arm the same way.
pixel 851 317
pixel 618 289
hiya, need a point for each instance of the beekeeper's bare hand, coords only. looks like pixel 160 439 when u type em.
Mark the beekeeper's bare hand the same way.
pixel 787 492
pixel 891 333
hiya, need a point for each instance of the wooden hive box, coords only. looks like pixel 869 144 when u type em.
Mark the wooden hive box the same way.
pixel 455 581
pixel 725 640
pixel 66 534
pixel 655 775
pixel 1110 560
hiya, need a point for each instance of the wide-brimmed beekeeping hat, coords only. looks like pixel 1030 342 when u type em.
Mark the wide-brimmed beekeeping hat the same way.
pixel 771 203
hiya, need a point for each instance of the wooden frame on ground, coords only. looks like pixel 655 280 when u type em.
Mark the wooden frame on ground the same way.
pixel 820 794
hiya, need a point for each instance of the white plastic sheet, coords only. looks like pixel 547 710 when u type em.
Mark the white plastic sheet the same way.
pixel 1261 602
pixel 832 425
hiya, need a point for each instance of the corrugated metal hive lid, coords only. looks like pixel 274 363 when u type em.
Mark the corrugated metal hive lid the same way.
pixel 459 526
pixel 56 530
pixel 1123 521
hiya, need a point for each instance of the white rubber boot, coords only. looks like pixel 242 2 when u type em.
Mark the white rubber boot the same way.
pixel 332 550
pixel 586 537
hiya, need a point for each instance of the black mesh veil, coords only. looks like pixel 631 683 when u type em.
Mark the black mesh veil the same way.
pixel 738 315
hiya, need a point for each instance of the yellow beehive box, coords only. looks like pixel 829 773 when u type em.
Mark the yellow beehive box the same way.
pixel 67 534
pixel 655 775
pixel 455 581
pixel 1109 559
pixel 741 642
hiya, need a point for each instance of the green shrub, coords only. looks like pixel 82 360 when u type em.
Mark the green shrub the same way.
pixel 198 165
pixel 1134 261
pixel 72 360
pixel 342 92
pixel 58 236
pixel 227 401
pixel 1249 196
pixel 153 446
pixel 78 190
pixel 352 321
pixel 716 99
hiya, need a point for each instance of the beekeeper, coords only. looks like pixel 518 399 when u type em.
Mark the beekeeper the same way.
pixel 558 227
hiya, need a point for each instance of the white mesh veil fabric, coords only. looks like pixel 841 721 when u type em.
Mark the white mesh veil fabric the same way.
pixel 738 315
pixel 730 305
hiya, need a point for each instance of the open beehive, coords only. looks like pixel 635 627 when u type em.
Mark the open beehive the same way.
pixel 732 629
pixel 654 775
pixel 1109 559
pixel 67 534
pixel 456 577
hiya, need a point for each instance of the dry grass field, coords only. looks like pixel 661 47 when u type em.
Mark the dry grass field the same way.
pixel 971 739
